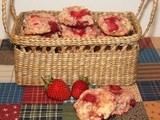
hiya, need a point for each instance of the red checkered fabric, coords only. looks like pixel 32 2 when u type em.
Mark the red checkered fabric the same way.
pixel 36 95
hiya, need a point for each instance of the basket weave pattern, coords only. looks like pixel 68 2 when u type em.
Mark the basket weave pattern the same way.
pixel 106 66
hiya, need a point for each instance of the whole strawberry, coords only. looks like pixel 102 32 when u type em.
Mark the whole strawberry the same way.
pixel 79 87
pixel 57 89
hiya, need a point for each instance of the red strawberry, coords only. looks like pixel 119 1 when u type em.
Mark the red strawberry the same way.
pixel 58 90
pixel 79 87
pixel 76 93
pixel 132 102
pixel 115 89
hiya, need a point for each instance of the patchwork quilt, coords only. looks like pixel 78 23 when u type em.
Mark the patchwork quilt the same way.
pixel 30 103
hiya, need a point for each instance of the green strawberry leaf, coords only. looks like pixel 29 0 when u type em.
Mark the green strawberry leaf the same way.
pixel 45 87
pixel 50 79
pixel 84 78
pixel 45 84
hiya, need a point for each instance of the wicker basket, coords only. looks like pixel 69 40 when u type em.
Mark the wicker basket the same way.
pixel 105 60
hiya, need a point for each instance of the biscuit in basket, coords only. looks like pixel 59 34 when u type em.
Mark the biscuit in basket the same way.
pixel 39 23
pixel 115 25
pixel 76 16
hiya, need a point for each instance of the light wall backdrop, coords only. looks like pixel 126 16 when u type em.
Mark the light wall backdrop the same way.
pixel 94 5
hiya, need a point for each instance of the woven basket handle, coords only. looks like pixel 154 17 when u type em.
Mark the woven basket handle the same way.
pixel 13 12
pixel 152 14
pixel 4 13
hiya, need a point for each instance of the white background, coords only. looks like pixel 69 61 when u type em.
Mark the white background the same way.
pixel 95 5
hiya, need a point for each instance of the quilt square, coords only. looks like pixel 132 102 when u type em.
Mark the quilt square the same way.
pixel 136 113
pixel 41 112
pixel 149 55
pixel 146 43
pixel 150 90
pixel 153 109
pixel 36 95
pixel 69 112
pixel 10 93
pixel 148 71
pixel 9 111
pixel 6 45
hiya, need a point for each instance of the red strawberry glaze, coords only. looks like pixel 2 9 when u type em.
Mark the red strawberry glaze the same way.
pixel 81 24
pixel 47 35
pixel 36 23
pixel 90 98
pixel 115 89
pixel 80 32
pixel 79 14
pixel 85 12
pixel 111 22
pixel 53 26
pixel 132 102
pixel 76 14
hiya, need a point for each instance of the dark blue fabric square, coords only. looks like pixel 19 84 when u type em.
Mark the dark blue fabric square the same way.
pixel 150 98
pixel 6 45
pixel 150 90
pixel 157 83
pixel 149 55
pixel 147 89
pixel 10 93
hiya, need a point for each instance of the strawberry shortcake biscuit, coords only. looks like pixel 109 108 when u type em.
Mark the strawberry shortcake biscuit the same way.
pixel 95 104
pixel 115 25
pixel 101 103
pixel 76 16
pixel 77 32
pixel 39 23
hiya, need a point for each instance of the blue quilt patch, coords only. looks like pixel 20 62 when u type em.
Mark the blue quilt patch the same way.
pixel 10 93
pixel 148 56
pixel 149 90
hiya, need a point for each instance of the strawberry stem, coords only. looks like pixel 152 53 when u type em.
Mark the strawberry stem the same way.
pixel 46 82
